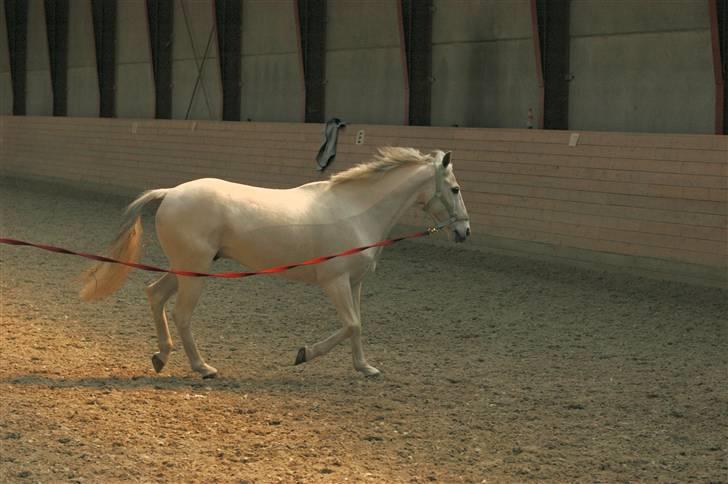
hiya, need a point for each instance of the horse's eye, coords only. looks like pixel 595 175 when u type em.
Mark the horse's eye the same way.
pixel 456 190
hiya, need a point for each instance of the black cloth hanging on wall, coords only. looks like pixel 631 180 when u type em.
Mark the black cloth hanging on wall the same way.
pixel 327 152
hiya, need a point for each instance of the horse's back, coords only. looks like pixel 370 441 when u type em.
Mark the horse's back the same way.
pixel 221 214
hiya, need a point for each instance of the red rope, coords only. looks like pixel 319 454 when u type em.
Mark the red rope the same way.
pixel 228 275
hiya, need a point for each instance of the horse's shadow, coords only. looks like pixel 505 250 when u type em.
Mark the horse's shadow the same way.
pixel 159 383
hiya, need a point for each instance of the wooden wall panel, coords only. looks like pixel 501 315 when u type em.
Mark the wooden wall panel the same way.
pixel 652 204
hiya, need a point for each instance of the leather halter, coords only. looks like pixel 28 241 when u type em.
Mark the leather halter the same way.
pixel 439 196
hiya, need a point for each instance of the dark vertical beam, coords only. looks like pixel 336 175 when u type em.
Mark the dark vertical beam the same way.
pixel 417 22
pixel 161 25
pixel 16 16
pixel 299 49
pixel 56 12
pixel 403 62
pixel 104 18
pixel 554 39
pixel 536 37
pixel 312 17
pixel 229 15
pixel 719 39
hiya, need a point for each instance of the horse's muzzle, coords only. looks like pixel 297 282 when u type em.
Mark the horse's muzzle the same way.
pixel 459 237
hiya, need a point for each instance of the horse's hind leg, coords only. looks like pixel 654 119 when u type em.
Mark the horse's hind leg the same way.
pixel 158 294
pixel 188 293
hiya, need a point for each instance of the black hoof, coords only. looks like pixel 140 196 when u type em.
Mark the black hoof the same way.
pixel 209 376
pixel 157 363
pixel 301 356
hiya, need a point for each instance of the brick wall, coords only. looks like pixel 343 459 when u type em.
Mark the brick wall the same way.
pixel 646 203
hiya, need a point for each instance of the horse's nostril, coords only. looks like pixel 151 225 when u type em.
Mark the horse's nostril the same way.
pixel 467 232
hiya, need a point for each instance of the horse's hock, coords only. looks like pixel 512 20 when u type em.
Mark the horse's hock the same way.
pixel 651 204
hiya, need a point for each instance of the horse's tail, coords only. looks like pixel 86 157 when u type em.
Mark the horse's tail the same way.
pixel 104 278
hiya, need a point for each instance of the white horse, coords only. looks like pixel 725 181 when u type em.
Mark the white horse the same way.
pixel 204 219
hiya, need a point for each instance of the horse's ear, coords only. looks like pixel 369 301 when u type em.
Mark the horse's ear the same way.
pixel 446 159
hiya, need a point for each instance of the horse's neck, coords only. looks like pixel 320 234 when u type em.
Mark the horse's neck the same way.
pixel 383 200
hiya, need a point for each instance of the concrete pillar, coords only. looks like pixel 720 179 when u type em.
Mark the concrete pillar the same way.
pixel 83 84
pixel 640 66
pixel 365 72
pixel 483 64
pixel 271 75
pixel 6 83
pixel 196 82
pixel 39 90
pixel 134 72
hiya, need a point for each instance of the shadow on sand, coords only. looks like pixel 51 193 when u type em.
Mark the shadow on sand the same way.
pixel 160 383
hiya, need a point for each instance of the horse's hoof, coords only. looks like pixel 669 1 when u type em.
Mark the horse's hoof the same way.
pixel 301 356
pixel 157 363
pixel 370 372
pixel 207 372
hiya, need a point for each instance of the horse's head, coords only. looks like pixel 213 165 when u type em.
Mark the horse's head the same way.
pixel 444 201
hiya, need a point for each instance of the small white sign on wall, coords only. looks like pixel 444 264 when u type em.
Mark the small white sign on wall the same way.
pixel 573 139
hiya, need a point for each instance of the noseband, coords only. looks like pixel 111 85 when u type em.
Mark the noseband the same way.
pixel 439 196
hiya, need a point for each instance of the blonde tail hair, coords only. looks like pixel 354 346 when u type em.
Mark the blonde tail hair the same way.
pixel 104 278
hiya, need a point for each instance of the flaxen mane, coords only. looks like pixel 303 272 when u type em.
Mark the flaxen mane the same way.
pixel 386 159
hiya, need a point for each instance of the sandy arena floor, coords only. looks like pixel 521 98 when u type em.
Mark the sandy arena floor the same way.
pixel 495 369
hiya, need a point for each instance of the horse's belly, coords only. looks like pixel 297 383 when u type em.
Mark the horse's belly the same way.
pixel 254 260
pixel 274 247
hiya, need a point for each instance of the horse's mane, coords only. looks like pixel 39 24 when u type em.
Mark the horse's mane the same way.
pixel 386 159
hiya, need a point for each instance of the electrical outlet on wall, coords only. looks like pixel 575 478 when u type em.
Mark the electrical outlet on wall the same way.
pixel 360 137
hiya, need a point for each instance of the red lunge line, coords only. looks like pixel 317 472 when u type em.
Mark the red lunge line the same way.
pixel 227 275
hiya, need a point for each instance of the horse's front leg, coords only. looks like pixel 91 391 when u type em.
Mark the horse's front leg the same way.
pixel 357 350
pixel 346 300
